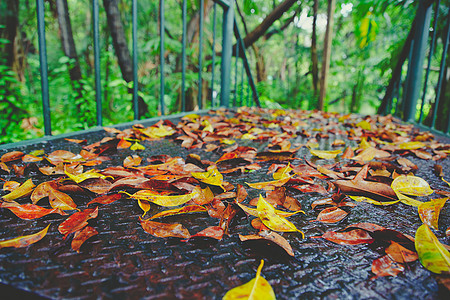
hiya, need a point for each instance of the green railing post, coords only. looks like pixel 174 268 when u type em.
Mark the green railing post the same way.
pixel 98 82
pixel 135 60
pixel 43 67
pixel 161 56
pixel 227 35
pixel 415 70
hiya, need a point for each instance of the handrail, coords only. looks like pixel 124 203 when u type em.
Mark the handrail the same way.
pixel 228 30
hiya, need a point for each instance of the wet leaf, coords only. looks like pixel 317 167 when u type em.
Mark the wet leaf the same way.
pixel 132 161
pixel 11 156
pixel 86 175
pixel 162 200
pixel 23 190
pixel 385 266
pixel 283 172
pixel 269 185
pixel 372 201
pixel 352 237
pixel 60 200
pixel 144 205
pixel 268 216
pixel 212 176
pixel 77 221
pixel 81 236
pixel 178 211
pixel 331 215
pixel 105 199
pixel 203 196
pixel 269 236
pixel 401 254
pixel 31 211
pixel 325 154
pixel 257 288
pixel 41 191
pixel 10 185
pixel 254 212
pixel 411 185
pixel 136 146
pixel 429 211
pixel 411 145
pixel 214 232
pixel 432 254
pixel 24 241
pixel 165 230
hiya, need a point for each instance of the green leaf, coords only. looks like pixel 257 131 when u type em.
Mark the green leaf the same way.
pixel 432 253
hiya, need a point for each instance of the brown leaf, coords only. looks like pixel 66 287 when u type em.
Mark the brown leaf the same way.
pixel 96 185
pixel 352 237
pixel 214 232
pixel 77 221
pixel 331 215
pixel 11 156
pixel 105 199
pixel 165 230
pixel 400 254
pixel 81 236
pixel 385 266
pixel 271 237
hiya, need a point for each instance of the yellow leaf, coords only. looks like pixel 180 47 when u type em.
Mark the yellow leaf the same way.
pixel 157 132
pixel 429 211
pixel 257 288
pixel 211 176
pixel 227 141
pixel 282 173
pixel 325 154
pixel 248 136
pixel 23 190
pixel 254 212
pixel 24 241
pixel 372 201
pixel 266 212
pixel 207 126
pixel 162 200
pixel 411 185
pixel 86 175
pixel 269 185
pixel 364 144
pixel 408 200
pixel 411 145
pixel 144 205
pixel 446 181
pixel 178 211
pixel 137 146
pixel 432 254
pixel 364 125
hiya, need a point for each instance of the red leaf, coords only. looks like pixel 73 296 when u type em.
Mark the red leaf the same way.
pixel 106 199
pixel 385 266
pixel 81 236
pixel 31 211
pixel 77 221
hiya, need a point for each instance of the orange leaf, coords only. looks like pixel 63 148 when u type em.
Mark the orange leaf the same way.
pixel 24 241
pixel 331 215
pixel 81 236
pixel 385 266
pixel 352 237
pixel 165 230
pixel 77 221
pixel 23 190
pixel 31 211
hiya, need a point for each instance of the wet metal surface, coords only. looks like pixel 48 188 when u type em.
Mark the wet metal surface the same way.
pixel 125 262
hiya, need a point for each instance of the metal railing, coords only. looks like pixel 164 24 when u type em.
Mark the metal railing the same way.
pixel 403 94
pixel 229 29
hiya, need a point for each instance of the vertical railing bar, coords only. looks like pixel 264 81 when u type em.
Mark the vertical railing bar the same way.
pixel 213 60
pixel 135 61
pixel 248 93
pixel 98 83
pixel 441 72
pixel 161 55
pixel 200 55
pixel 241 92
pixel 236 75
pixel 430 55
pixel 43 67
pixel 227 29
pixel 183 59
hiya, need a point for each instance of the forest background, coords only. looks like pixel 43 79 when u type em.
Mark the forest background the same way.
pixel 284 39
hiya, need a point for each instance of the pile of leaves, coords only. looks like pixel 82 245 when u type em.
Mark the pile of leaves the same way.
pixel 365 162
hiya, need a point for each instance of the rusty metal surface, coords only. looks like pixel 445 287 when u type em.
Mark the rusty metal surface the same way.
pixel 125 262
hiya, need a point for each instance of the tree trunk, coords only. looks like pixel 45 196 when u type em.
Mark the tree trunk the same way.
pixel 326 54
pixel 120 46
pixel 314 59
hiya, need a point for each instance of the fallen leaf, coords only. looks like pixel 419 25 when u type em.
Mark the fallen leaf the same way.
pixel 144 205
pixel 132 161
pixel 211 176
pixel 162 200
pixel 257 288
pixel 11 156
pixel 352 237
pixel 372 201
pixel 136 146
pixel 165 230
pixel 10 185
pixel 178 211
pixel 86 175
pixel 401 254
pixel 325 154
pixel 385 266
pixel 60 200
pixel 411 185
pixel 269 185
pixel 23 190
pixel 331 215
pixel 24 241
pixel 269 236
pixel 81 236
pixel 77 221
pixel 429 211
pixel 432 254
pixel 214 232
pixel 32 211
pixel 105 199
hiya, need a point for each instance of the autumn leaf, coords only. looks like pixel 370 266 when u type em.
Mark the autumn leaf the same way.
pixel 257 288
pixel 165 230
pixel 283 172
pixel 77 221
pixel 105 199
pixel 352 237
pixel 11 156
pixel 254 212
pixel 144 205
pixel 385 266
pixel 213 232
pixel 32 211
pixel 330 154
pixel 269 185
pixel 178 211
pixel 86 175
pixel 24 241
pixel 212 176
pixel 401 254
pixel 372 201
pixel 269 236
pixel 268 216
pixel 23 190
pixel 162 200
pixel 136 146
pixel 60 200
pixel 331 215
pixel 432 253
pixel 132 161
pixel 81 236
pixel 429 211
pixel 411 185
pixel 411 145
